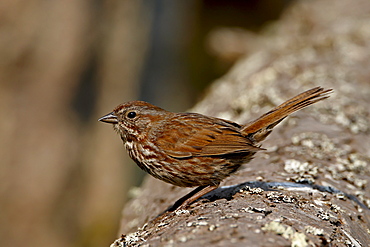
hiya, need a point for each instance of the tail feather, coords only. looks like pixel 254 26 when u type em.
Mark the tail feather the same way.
pixel 260 128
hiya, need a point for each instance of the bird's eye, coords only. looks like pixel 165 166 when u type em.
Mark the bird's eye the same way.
pixel 131 114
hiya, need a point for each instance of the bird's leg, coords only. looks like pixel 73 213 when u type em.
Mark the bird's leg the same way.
pixel 192 196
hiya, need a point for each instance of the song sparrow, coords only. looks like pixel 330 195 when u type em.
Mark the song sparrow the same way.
pixel 190 149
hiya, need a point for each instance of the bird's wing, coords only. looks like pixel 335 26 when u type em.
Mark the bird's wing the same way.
pixel 189 135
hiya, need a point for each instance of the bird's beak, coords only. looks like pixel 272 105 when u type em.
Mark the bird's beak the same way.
pixel 109 118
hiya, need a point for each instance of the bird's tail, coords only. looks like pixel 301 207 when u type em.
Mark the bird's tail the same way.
pixel 260 128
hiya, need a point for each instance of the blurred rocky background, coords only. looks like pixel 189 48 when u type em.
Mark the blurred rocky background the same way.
pixel 64 177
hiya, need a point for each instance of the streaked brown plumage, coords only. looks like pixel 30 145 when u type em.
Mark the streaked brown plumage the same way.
pixel 190 149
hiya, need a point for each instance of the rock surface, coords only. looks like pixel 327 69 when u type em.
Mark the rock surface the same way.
pixel 310 188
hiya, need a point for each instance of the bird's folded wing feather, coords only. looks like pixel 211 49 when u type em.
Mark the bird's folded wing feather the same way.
pixel 206 137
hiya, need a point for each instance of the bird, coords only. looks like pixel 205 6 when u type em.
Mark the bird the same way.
pixel 195 150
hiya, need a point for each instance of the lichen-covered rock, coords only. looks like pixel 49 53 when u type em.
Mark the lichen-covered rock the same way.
pixel 310 188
